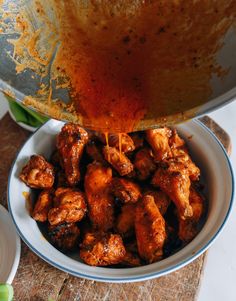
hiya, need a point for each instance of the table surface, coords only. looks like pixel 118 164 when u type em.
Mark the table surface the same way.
pixel 215 286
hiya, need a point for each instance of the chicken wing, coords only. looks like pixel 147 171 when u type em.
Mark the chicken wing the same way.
pixel 43 205
pixel 175 141
pixel 125 220
pixel 189 227
pixel 100 201
pixel 161 200
pixel 150 230
pixel 64 236
pixel 180 155
pixel 159 141
pixel 118 160
pixel 69 206
pixel 144 164
pixel 70 143
pixel 102 249
pixel 120 141
pixel 125 190
pixel 176 185
pixel 38 173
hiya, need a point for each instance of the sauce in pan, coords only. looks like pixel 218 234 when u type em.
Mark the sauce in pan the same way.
pixel 129 60
pixel 128 64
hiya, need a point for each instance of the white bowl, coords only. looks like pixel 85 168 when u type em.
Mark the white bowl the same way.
pixel 206 151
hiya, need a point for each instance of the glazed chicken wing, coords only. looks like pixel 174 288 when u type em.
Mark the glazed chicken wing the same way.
pixel 38 173
pixel 102 249
pixel 180 155
pixel 70 143
pixel 100 202
pixel 144 164
pixel 161 200
pixel 189 227
pixel 121 141
pixel 125 190
pixel 118 160
pixel 125 220
pixel 69 206
pixel 159 141
pixel 150 230
pixel 43 205
pixel 175 141
pixel 176 185
pixel 64 236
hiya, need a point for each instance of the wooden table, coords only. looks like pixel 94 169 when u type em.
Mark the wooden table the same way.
pixel 38 281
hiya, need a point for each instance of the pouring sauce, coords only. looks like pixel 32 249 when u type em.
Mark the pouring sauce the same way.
pixel 142 59
pixel 128 62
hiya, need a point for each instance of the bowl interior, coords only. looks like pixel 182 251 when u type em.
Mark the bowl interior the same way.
pixel 217 176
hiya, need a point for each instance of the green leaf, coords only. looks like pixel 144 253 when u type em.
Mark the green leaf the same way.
pixel 6 292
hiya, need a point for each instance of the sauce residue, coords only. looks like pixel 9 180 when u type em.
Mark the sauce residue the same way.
pixel 127 64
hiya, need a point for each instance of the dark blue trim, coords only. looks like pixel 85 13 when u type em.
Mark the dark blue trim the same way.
pixel 138 278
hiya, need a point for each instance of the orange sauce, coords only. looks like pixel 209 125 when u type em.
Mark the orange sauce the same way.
pixel 127 63
pixel 107 143
pixel 120 143
pixel 133 60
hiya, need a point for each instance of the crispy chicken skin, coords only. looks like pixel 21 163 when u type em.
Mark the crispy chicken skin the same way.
pixel 161 200
pixel 150 229
pixel 125 220
pixel 180 155
pixel 102 249
pixel 38 173
pixel 100 201
pixel 189 227
pixel 68 206
pixel 159 141
pixel 144 164
pixel 175 141
pixel 70 143
pixel 176 185
pixel 64 236
pixel 118 160
pixel 125 190
pixel 123 141
pixel 43 205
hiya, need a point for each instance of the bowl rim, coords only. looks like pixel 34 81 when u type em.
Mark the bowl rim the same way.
pixel 130 278
pixel 17 250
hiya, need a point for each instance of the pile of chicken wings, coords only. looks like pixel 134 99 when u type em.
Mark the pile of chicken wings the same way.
pixel 124 200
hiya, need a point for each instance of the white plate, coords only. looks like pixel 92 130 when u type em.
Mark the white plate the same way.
pixel 9 248
pixel 208 153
